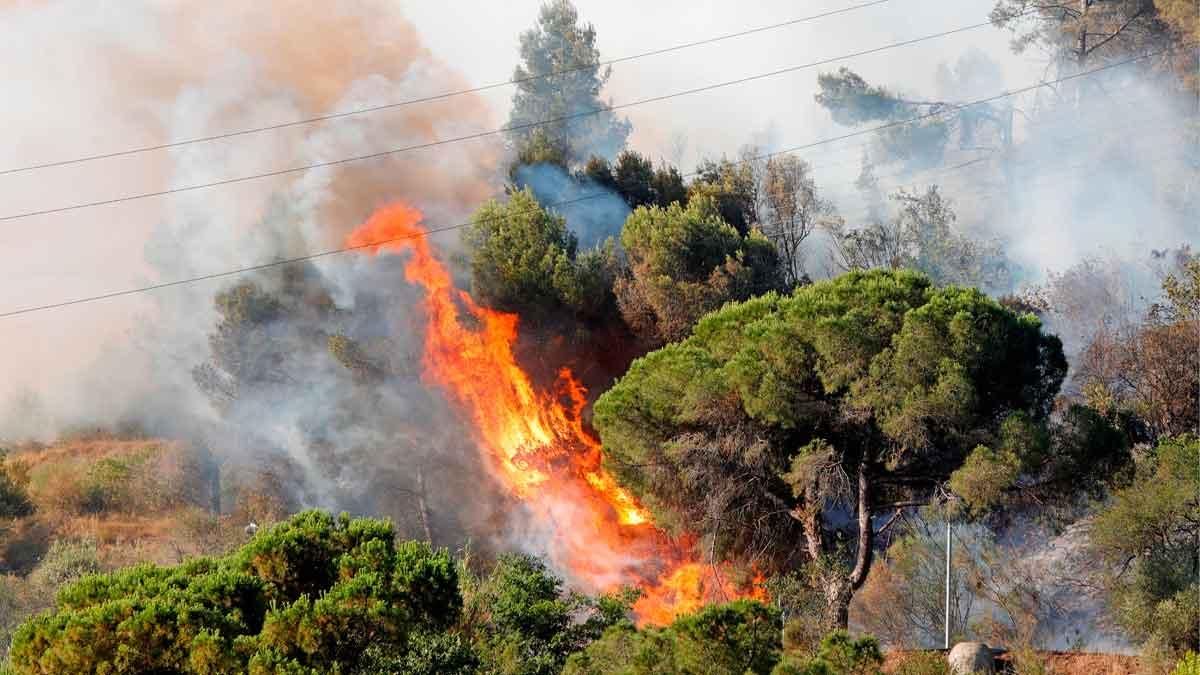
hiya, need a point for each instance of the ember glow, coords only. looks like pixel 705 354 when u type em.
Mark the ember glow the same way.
pixel 535 441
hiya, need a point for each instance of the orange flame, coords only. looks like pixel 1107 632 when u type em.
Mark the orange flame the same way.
pixel 536 442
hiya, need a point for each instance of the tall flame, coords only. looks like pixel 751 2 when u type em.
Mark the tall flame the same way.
pixel 535 441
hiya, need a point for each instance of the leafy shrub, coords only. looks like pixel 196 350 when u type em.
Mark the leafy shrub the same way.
pixel 1188 665
pixel 838 654
pixel 523 623
pixel 108 484
pixel 146 478
pixel 21 597
pixel 64 562
pixel 1026 661
pixel 1150 528
pixel 308 595
pixel 735 638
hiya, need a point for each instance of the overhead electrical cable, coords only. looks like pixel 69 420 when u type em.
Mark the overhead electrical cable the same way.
pixel 910 177
pixel 383 242
pixel 494 132
pixel 1044 168
pixel 444 95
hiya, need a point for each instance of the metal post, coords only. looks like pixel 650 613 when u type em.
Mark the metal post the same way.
pixel 947 640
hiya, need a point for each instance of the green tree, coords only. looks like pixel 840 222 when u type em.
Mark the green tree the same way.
pixel 260 334
pixel 309 595
pixel 524 259
pixel 522 622
pixel 866 390
pixel 733 186
pixel 851 101
pixel 1147 537
pixel 560 78
pixel 633 175
pixel 735 638
pixel 685 262
pixel 636 179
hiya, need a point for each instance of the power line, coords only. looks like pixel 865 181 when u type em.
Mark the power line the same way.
pixel 1043 168
pixel 911 177
pixel 444 95
pixel 494 132
pixel 382 242
pixel 866 145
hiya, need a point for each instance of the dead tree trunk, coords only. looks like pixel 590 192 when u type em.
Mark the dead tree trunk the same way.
pixel 423 505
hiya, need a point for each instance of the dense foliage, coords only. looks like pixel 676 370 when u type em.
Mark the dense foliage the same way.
pixel 686 262
pixel 855 391
pixel 524 259
pixel 308 595
pixel 1147 536
pixel 739 637
pixel 313 594
pixel 14 498
pixel 559 79
pixel 637 180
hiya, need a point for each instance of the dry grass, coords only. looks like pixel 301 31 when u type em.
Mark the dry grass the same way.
pixel 138 500
pixel 1078 663
pixel 1055 663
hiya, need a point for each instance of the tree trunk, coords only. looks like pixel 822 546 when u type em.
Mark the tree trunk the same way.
pixel 1081 53
pixel 836 585
pixel 422 505
pixel 837 604
pixel 839 589
pixel 810 519
pixel 866 534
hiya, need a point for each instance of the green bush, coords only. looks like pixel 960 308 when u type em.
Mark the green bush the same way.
pixel 838 654
pixel 309 595
pixel 1150 530
pixel 21 597
pixel 525 260
pixel 1188 665
pixel 735 638
pixel 522 622
pixel 153 477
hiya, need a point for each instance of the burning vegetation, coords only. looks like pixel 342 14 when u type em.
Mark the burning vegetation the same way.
pixel 535 441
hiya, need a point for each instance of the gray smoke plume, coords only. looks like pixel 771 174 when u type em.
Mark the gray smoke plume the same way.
pixel 327 439
pixel 594 213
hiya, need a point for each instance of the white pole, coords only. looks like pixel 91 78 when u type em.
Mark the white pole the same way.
pixel 947 640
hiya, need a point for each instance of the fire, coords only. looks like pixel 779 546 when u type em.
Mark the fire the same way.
pixel 536 441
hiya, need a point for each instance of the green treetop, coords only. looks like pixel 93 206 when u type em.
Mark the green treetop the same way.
pixel 867 391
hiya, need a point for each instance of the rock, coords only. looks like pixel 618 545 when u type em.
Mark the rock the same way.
pixel 967 658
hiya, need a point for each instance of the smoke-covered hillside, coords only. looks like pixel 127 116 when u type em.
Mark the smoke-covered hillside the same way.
pixel 709 304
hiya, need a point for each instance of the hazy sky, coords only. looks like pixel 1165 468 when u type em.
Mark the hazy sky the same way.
pixel 481 44
pixel 84 78
pixel 71 90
